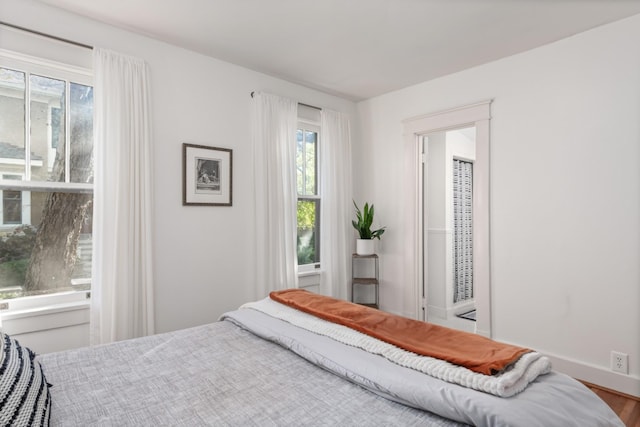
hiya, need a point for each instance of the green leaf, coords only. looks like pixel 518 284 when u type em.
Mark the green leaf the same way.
pixel 364 222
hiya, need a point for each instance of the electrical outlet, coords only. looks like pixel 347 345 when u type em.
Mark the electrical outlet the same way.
pixel 619 362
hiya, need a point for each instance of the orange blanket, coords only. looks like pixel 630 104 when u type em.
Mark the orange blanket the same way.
pixel 472 351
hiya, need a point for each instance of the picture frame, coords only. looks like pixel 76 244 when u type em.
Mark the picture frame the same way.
pixel 207 174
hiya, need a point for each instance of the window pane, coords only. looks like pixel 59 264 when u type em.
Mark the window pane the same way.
pixel 47 129
pixel 308 232
pixel 306 163
pixel 11 207
pixel 310 139
pixel 12 121
pixel 81 133
pixel 300 163
pixel 51 250
pixel 11 202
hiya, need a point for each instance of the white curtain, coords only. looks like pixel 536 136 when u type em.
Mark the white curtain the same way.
pixel 122 279
pixel 335 219
pixel 462 230
pixel 274 123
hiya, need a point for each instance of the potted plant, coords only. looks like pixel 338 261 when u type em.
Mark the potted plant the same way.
pixel 364 245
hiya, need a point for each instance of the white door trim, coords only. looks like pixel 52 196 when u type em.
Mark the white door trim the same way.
pixel 477 115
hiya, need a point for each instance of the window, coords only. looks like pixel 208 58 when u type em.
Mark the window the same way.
pixel 46 175
pixel 12 209
pixel 308 237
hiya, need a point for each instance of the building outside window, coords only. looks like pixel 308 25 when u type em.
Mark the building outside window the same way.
pixel 46 177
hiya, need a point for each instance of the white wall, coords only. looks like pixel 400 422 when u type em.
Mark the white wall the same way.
pixel 438 231
pixel 202 258
pixel 565 194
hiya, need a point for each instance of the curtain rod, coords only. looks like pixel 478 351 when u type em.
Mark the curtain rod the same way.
pixel 38 33
pixel 299 103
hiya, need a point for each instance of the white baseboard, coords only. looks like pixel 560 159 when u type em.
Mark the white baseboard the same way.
pixel 627 384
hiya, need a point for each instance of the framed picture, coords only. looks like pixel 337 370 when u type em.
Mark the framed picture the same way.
pixel 206 175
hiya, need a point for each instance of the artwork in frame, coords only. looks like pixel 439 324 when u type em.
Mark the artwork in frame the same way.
pixel 206 175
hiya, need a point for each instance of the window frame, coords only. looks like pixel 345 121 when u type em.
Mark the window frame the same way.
pixel 52 69
pixel 70 74
pixel 305 124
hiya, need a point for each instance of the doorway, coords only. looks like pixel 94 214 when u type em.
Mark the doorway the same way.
pixel 475 116
pixel 447 213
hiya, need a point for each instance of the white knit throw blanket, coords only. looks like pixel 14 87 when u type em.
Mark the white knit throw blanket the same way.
pixel 508 383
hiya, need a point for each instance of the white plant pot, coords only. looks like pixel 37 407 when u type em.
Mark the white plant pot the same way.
pixel 365 247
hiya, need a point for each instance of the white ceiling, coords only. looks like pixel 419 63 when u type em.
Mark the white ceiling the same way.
pixel 355 48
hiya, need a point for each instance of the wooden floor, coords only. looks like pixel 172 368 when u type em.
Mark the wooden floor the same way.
pixel 627 407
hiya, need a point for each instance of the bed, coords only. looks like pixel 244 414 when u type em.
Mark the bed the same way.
pixel 257 366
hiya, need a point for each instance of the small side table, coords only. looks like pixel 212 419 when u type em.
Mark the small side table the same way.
pixel 367 281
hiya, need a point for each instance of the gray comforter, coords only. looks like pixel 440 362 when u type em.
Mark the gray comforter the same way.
pixel 551 400
pixel 241 372
pixel 215 375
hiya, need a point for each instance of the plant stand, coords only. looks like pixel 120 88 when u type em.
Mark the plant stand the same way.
pixel 365 281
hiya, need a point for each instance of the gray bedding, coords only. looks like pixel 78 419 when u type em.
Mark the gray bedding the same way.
pixel 241 372
pixel 217 374
pixel 551 400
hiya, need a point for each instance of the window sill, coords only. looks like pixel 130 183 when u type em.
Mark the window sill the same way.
pixel 39 301
pixel 309 273
pixel 9 315
pixel 309 280
pixel 49 328
pixel 45 312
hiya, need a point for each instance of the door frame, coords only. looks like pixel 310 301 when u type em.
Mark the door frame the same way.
pixel 415 128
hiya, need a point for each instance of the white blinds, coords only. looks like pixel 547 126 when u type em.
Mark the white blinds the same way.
pixel 462 230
